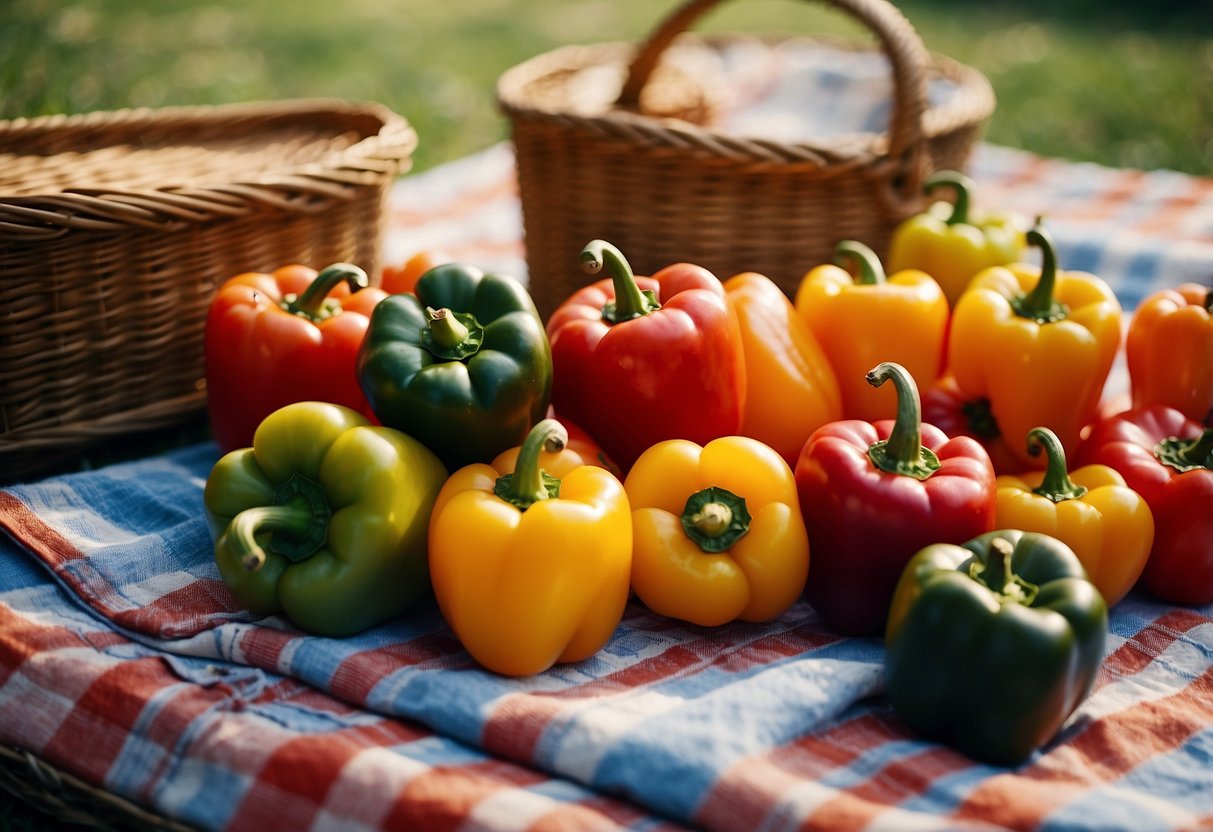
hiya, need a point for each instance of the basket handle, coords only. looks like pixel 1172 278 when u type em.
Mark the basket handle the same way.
pixel 899 40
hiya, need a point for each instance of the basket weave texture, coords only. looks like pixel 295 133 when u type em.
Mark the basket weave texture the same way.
pixel 117 227
pixel 72 801
pixel 631 156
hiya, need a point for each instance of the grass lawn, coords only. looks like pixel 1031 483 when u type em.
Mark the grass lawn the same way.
pixel 1118 82
pixel 1074 78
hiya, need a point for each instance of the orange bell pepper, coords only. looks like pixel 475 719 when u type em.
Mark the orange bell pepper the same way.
pixel 869 320
pixel 1169 350
pixel 1107 524
pixel 717 531
pixel 1038 344
pixel 403 278
pixel 530 569
pixel 790 387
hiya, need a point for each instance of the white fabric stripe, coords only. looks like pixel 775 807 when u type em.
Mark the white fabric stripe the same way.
pixel 371 773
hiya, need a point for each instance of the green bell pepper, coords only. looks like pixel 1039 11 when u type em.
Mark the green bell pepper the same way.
pixel 463 364
pixel 991 645
pixel 325 518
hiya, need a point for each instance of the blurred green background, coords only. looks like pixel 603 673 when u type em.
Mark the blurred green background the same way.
pixel 1125 83
pixel 1122 82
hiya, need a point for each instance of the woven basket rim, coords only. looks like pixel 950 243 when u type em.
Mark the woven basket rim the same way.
pixel 383 151
pixel 971 104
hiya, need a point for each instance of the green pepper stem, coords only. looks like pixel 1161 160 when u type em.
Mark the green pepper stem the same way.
pixel 451 335
pixel 999 576
pixel 1209 301
pixel 868 269
pixel 445 329
pixel 903 452
pixel 1056 484
pixel 961 185
pixel 629 301
pixel 715 518
pixel 529 483
pixel 311 304
pixel 1187 454
pixel 1039 305
pixel 293 519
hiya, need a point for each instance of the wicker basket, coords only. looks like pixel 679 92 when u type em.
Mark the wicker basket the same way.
pixel 115 228
pixel 644 168
pixel 72 802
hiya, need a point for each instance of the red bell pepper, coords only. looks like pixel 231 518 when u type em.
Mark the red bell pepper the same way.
pixel 874 493
pixel 956 413
pixel 638 360
pixel 1167 458
pixel 288 336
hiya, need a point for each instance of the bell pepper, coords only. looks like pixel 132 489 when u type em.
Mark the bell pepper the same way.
pixel 873 494
pixel 790 387
pixel 992 644
pixel 1167 458
pixel 950 244
pixel 287 336
pixel 404 277
pixel 639 360
pixel 462 363
pixel 948 408
pixel 1106 523
pixel 579 449
pixel 1038 344
pixel 860 322
pixel 530 569
pixel 325 518
pixel 717 531
pixel 1169 351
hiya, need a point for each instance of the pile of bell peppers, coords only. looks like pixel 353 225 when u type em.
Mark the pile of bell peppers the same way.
pixel 896 450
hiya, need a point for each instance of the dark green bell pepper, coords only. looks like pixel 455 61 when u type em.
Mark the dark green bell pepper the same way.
pixel 463 365
pixel 991 645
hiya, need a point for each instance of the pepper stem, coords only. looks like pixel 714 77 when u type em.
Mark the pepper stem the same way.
pixel 445 328
pixel 314 303
pixel 630 302
pixel 868 269
pixel 960 184
pixel 1187 454
pixel 903 452
pixel 1039 305
pixel 297 518
pixel 1209 301
pixel 528 483
pixel 451 335
pixel 999 577
pixel 715 518
pixel 1056 485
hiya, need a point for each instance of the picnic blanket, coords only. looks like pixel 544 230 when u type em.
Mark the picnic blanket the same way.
pixel 125 661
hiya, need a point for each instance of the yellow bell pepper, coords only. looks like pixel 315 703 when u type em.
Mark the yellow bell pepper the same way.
pixel 1107 524
pixel 717 530
pixel 791 390
pixel 951 244
pixel 530 569
pixel 869 320
pixel 1037 343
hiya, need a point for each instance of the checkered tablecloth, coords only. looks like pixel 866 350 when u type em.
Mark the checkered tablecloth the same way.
pixel 124 660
